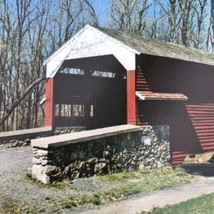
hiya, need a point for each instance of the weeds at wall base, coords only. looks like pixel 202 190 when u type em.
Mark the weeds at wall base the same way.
pixel 129 183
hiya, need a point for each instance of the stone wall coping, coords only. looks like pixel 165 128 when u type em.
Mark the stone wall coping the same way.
pixel 82 136
pixel 25 132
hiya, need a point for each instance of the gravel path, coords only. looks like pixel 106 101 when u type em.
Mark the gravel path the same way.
pixel 161 198
pixel 15 163
pixel 17 190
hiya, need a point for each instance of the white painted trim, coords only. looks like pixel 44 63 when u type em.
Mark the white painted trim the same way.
pixel 59 50
pixel 115 40
pixel 139 95
pixel 91 42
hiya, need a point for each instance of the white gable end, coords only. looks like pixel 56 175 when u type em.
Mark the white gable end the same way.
pixel 91 42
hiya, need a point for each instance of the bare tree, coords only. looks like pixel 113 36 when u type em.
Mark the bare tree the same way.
pixel 183 22
pixel 91 11
pixel 210 34
pixel 200 25
pixel 17 23
pixel 129 15
pixel 69 17
pixel 18 101
pixel 172 20
pixel 1 96
pixel 179 19
pixel 32 30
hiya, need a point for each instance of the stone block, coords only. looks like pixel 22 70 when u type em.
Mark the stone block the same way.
pixel 36 160
pixel 44 162
pixel 51 170
pixel 41 152
pixel 39 172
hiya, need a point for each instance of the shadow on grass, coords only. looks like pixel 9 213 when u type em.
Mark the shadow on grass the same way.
pixel 204 169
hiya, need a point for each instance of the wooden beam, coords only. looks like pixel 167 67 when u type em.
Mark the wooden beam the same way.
pixel 49 103
pixel 131 98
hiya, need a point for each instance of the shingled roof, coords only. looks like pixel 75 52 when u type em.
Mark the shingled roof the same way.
pixel 162 49
pixel 92 41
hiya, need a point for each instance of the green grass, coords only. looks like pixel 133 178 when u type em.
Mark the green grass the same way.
pixel 152 178
pixel 203 204
pixel 145 180
pixel 129 183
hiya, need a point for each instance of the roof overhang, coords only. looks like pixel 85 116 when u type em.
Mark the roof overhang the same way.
pixel 91 42
pixel 148 95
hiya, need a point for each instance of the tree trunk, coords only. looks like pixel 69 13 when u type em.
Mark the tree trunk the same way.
pixel 17 102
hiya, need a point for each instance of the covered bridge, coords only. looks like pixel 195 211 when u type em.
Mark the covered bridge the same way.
pixel 102 78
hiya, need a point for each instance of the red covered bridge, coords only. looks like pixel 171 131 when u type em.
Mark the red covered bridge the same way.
pixel 102 78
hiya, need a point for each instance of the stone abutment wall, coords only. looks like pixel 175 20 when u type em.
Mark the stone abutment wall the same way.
pixel 147 147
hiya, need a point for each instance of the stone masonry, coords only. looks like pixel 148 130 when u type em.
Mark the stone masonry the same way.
pixel 148 146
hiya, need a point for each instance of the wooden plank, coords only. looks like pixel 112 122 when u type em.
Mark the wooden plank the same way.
pixel 202 124
pixel 207 143
pixel 202 119
pixel 141 83
pixel 204 134
pixel 160 96
pixel 206 137
pixel 205 130
pixel 205 127
pixel 200 113
pixel 131 99
pixel 200 105
pixel 49 103
pixel 208 148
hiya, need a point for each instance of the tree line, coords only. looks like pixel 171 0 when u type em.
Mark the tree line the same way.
pixel 30 30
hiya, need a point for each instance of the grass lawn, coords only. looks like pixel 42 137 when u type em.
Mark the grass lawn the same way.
pixel 203 204
pixel 140 181
pixel 128 183
pixel 145 180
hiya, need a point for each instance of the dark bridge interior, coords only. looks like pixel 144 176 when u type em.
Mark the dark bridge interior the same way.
pixel 90 92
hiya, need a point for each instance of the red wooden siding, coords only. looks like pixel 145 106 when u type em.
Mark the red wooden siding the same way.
pixel 177 158
pixel 202 117
pixel 148 95
pixel 141 83
pixel 191 122
pixel 131 99
pixel 49 103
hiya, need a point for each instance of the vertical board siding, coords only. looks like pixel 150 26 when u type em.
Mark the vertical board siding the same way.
pixel 202 117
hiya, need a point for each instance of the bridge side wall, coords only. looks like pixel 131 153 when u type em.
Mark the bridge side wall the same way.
pixel 149 147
